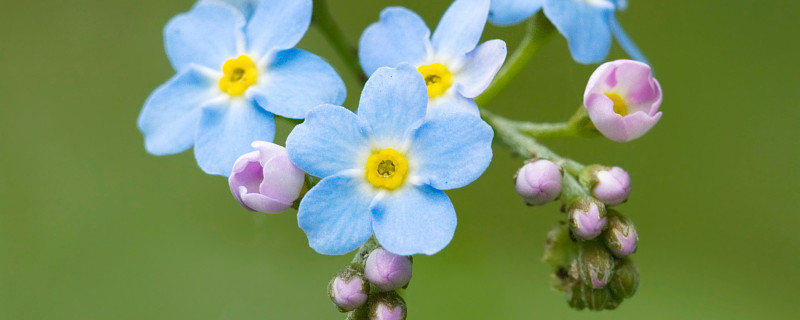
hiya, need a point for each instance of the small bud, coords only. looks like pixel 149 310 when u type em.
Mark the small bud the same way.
pixel 620 237
pixel 386 270
pixel 266 180
pixel 574 295
pixel 539 182
pixel 625 280
pixel 612 186
pixel 595 265
pixel 587 218
pixel 349 289
pixel 595 299
pixel 387 306
pixel 613 301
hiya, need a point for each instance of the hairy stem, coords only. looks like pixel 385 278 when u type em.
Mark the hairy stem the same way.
pixel 538 32
pixel 324 21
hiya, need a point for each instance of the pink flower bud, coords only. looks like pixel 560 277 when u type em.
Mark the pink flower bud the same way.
pixel 612 186
pixel 539 182
pixel 348 290
pixel 587 218
pixel 266 180
pixel 386 270
pixel 621 237
pixel 387 306
pixel 622 99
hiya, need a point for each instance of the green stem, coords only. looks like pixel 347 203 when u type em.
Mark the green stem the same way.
pixel 364 250
pixel 539 30
pixel 324 21
pixel 571 189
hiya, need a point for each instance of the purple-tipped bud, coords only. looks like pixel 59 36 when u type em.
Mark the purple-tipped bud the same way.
pixel 612 186
pixel 595 265
pixel 349 289
pixel 620 237
pixel 266 180
pixel 386 270
pixel 587 218
pixel 539 182
pixel 387 306
pixel 625 280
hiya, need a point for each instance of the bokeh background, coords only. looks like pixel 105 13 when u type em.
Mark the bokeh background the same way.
pixel 93 227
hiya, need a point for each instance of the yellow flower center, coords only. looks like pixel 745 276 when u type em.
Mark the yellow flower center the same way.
pixel 437 78
pixel 619 105
pixel 238 74
pixel 386 169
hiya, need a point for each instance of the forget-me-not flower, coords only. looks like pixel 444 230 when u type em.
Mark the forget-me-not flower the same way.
pixel 384 167
pixel 455 70
pixel 233 74
pixel 587 24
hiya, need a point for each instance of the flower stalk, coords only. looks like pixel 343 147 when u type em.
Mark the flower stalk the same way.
pixel 322 18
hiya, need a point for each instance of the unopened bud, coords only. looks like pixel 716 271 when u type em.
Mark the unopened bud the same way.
pixel 386 270
pixel 349 289
pixel 625 280
pixel 595 299
pixel 559 248
pixel 587 218
pixel 613 301
pixel 574 295
pixel 538 182
pixel 612 186
pixel 387 306
pixel 595 265
pixel 620 237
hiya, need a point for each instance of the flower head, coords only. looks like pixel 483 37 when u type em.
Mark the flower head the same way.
pixel 235 68
pixel 539 182
pixel 349 289
pixel 266 180
pixel 455 68
pixel 622 99
pixel 612 185
pixel 385 167
pixel 587 24
pixel 621 237
pixel 587 218
pixel 386 270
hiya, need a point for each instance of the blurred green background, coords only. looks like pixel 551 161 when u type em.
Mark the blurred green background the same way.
pixel 93 227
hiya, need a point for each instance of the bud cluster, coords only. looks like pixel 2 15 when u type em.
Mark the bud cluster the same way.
pixel 367 289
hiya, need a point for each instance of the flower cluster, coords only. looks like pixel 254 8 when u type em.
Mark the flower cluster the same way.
pixel 373 181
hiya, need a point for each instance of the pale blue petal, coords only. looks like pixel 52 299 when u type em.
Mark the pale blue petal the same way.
pixel 621 4
pixel 460 28
pixel 207 35
pixel 414 220
pixel 246 7
pixel 331 140
pixel 480 67
pixel 400 36
pixel 277 25
pixel 227 128
pixel 624 41
pixel 295 82
pixel 452 102
pixel 451 151
pixel 393 101
pixel 170 115
pixel 335 215
pixel 585 27
pixel 508 12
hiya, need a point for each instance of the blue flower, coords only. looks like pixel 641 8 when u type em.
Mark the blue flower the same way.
pixel 385 167
pixel 587 24
pixel 454 69
pixel 233 74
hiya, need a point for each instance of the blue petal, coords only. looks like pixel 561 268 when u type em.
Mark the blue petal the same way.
pixel 207 35
pixel 297 81
pixel 585 27
pixel 277 25
pixel 170 115
pixel 624 41
pixel 452 102
pixel 451 151
pixel 414 220
pixel 246 7
pixel 394 100
pixel 460 28
pixel 227 128
pixel 480 67
pixel 331 140
pixel 399 36
pixel 508 12
pixel 335 215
